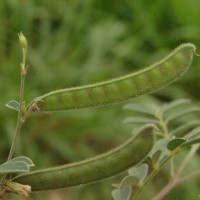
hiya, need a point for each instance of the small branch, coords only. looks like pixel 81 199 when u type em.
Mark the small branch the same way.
pixel 21 112
pixel 192 174
pixel 23 43
pixel 176 180
pixel 163 124
pixel 173 183
pixel 172 167
pixel 166 189
pixel 155 171
pixel 193 150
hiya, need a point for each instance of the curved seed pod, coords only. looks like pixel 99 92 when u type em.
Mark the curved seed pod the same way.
pixel 123 88
pixel 94 169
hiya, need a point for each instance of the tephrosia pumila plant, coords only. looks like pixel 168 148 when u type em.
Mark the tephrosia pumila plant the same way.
pixel 143 154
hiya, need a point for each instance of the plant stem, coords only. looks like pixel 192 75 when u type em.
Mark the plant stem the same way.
pixel 156 169
pixel 174 182
pixel 192 174
pixel 172 167
pixel 162 123
pixel 22 114
pixel 151 176
pixel 193 150
pixel 21 103
pixel 166 189
pixel 176 178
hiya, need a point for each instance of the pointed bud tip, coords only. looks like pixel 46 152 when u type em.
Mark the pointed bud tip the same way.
pixel 22 40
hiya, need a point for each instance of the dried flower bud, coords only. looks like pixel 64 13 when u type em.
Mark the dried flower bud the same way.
pixel 18 188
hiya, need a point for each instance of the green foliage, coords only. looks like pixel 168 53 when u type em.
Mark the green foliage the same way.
pixel 166 147
pixel 102 166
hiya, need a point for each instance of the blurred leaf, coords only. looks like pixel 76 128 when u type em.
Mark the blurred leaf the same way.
pixel 156 156
pixel 162 146
pixel 14 167
pixel 140 171
pixel 191 142
pixel 174 104
pixel 174 143
pixel 148 161
pixel 193 133
pixel 60 146
pixel 181 113
pixel 122 194
pixel 138 108
pixel 13 105
pixel 182 128
pixel 129 181
pixel 139 120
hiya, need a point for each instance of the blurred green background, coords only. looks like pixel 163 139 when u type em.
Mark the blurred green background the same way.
pixel 74 42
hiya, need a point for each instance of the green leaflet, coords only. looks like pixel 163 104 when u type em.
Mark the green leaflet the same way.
pixel 94 169
pixel 16 165
pixel 174 143
pixel 120 89
pixel 13 105
pixel 122 193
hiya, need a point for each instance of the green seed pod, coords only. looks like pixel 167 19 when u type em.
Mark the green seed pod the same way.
pixel 123 88
pixel 94 169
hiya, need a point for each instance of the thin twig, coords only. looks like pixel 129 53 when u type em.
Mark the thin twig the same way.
pixel 173 183
pixel 187 159
pixel 21 102
pixel 192 174
pixel 151 176
pixel 21 111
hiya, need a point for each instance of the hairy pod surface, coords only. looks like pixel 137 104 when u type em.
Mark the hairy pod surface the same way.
pixel 94 169
pixel 123 88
